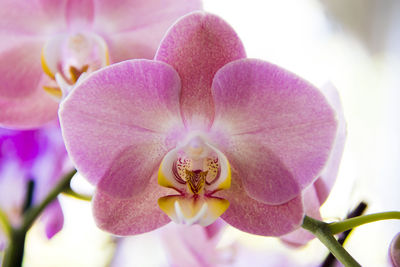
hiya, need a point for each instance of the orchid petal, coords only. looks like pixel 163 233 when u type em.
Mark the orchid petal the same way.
pixel 311 207
pixel 140 97
pixel 215 229
pixel 328 176
pixel 22 78
pixel 31 17
pixel 28 113
pixel 254 217
pixel 131 169
pixel 23 101
pixel 281 128
pixel 53 219
pixel 197 46
pixel 264 176
pixel 79 14
pixel 193 246
pixel 139 37
pixel 315 196
pixel 116 15
pixel 128 45
pixel 135 215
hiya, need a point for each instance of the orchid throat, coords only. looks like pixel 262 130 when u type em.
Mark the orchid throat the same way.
pixel 67 57
pixel 196 171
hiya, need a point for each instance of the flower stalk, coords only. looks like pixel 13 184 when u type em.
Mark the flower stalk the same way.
pixel 322 231
pixel 338 227
pixel 71 193
pixel 325 232
pixel 14 253
pixel 33 213
pixel 330 259
pixel 5 223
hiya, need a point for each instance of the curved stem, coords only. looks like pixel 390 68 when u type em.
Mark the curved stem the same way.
pixel 330 260
pixel 5 223
pixel 323 233
pixel 35 211
pixel 70 192
pixel 14 253
pixel 338 227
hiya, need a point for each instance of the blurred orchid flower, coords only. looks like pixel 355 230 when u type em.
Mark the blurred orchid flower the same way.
pixel 48 44
pixel 205 122
pixel 315 195
pixel 178 246
pixel 194 245
pixel 30 164
pixel 394 251
pixel 198 246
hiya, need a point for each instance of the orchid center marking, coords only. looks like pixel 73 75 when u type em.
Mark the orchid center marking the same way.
pixel 196 171
pixel 66 58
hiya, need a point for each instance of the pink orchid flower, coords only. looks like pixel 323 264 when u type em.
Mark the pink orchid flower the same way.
pixel 233 137
pixel 315 195
pixel 37 157
pixel 47 45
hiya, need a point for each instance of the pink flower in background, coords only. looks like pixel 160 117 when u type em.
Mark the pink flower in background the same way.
pixel 32 161
pixel 178 245
pixel 315 195
pixel 199 246
pixel 47 44
pixel 394 251
pixel 232 137
pixel 195 245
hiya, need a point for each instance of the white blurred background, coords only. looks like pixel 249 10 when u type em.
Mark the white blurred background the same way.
pixel 353 44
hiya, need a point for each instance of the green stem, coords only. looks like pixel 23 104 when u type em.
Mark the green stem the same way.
pixel 5 223
pixel 35 211
pixel 338 227
pixel 70 192
pixel 323 233
pixel 14 253
pixel 358 211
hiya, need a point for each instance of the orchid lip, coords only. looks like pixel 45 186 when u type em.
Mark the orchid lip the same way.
pixel 196 170
pixel 66 57
pixel 182 218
